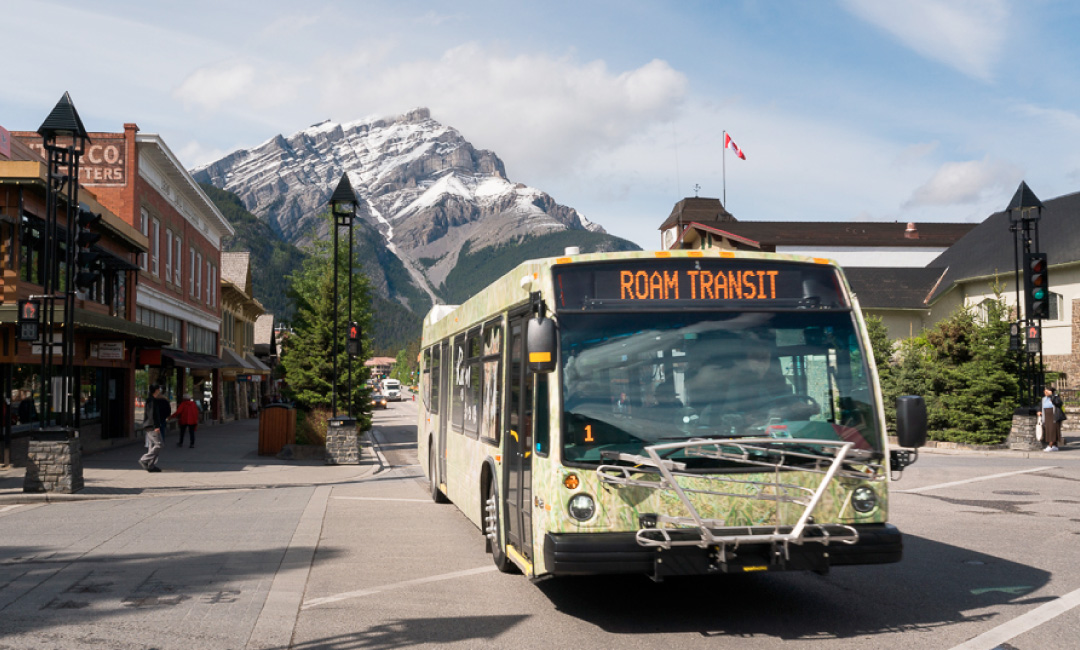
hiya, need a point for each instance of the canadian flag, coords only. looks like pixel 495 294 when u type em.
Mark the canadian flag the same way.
pixel 730 144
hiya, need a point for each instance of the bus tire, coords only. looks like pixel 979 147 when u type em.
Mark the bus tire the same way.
pixel 492 532
pixel 436 494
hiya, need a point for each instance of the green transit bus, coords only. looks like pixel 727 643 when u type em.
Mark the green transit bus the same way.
pixel 663 413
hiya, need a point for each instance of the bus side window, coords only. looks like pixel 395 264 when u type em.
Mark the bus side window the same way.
pixel 436 376
pixel 458 383
pixel 543 416
pixel 425 379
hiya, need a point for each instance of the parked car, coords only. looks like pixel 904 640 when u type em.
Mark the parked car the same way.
pixel 378 401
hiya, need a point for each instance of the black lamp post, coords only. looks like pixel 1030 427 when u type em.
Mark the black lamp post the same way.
pixel 343 205
pixel 65 141
pixel 1025 210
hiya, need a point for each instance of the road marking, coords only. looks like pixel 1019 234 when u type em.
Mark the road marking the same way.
pixel 973 480
pixel 386 499
pixel 274 628
pixel 1014 628
pixel 315 602
pixel 1015 591
pixel 6 508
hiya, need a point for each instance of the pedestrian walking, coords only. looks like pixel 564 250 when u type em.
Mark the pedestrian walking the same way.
pixel 157 418
pixel 188 415
pixel 1052 417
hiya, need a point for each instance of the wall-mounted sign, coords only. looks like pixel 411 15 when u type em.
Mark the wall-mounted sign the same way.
pixel 103 163
pixel 113 350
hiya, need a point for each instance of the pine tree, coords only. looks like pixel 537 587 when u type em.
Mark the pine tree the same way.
pixel 308 357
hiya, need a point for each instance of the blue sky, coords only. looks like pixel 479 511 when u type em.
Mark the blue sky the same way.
pixel 923 110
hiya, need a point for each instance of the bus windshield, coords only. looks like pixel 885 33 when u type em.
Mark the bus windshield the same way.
pixel 631 380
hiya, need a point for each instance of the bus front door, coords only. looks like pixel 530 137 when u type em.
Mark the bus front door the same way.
pixel 518 475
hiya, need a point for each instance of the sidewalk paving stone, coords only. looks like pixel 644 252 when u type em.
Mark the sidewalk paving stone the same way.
pixel 224 458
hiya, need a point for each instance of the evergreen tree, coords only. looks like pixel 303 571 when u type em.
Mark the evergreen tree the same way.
pixel 963 368
pixel 403 368
pixel 308 357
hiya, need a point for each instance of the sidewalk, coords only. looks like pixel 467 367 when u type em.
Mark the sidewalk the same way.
pixel 224 458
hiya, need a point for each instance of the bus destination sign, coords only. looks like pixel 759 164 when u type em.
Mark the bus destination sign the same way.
pixel 696 283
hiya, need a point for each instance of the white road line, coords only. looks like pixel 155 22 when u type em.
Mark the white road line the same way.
pixel 6 508
pixel 1014 628
pixel 274 628
pixel 973 480
pixel 386 499
pixel 315 602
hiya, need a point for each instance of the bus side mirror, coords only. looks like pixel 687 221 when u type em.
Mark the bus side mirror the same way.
pixel 911 421
pixel 542 342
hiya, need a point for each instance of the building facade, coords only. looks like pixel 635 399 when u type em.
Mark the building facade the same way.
pixel 138 178
pixel 243 375
pixel 108 337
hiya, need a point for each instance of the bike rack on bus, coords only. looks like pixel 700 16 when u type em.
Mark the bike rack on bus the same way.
pixel 776 454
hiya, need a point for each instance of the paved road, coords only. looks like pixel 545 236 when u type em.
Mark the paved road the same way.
pixel 368 561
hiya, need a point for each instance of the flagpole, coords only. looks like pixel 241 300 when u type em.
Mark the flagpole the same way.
pixel 723 157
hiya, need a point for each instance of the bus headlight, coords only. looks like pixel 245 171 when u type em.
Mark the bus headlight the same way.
pixel 863 499
pixel 582 507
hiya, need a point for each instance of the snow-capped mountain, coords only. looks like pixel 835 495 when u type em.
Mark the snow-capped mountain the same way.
pixel 426 190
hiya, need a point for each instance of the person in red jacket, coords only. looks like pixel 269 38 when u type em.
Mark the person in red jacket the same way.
pixel 188 415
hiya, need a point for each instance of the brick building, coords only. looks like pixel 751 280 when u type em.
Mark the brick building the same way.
pixel 108 337
pixel 137 177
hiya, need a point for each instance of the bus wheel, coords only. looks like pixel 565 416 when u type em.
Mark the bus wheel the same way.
pixel 491 532
pixel 436 494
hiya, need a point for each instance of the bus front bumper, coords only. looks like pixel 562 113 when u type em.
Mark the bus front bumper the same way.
pixel 619 553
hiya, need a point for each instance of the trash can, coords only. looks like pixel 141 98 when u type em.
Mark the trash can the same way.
pixel 277 428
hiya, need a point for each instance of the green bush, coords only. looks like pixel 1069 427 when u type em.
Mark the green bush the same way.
pixel 963 368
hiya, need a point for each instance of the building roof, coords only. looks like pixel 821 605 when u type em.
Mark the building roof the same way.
pixel 236 268
pixel 850 233
pixel 988 249
pixel 154 148
pixel 892 287
pixel 750 243
pixel 699 209
pixel 380 361
pixel 264 329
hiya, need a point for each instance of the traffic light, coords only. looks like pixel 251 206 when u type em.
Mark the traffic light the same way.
pixel 88 269
pixel 353 347
pixel 29 320
pixel 1036 285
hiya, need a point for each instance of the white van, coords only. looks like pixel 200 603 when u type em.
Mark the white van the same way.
pixel 392 389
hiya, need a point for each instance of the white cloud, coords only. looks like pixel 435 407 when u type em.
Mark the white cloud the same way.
pixel 210 87
pixel 965 182
pixel 1054 117
pixel 540 113
pixel 964 34
pixel 194 154
pixel 916 153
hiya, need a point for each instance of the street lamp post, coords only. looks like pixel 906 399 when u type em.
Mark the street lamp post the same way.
pixel 1025 210
pixel 65 140
pixel 343 205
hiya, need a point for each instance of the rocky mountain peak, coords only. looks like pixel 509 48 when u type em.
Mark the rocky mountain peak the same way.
pixel 420 183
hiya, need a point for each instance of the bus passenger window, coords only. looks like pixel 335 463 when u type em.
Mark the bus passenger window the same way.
pixel 543 419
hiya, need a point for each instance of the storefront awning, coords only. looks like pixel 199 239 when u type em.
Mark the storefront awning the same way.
pixel 260 367
pixel 192 360
pixel 232 363
pixel 93 321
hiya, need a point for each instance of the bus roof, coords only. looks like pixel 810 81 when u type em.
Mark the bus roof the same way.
pixel 513 289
